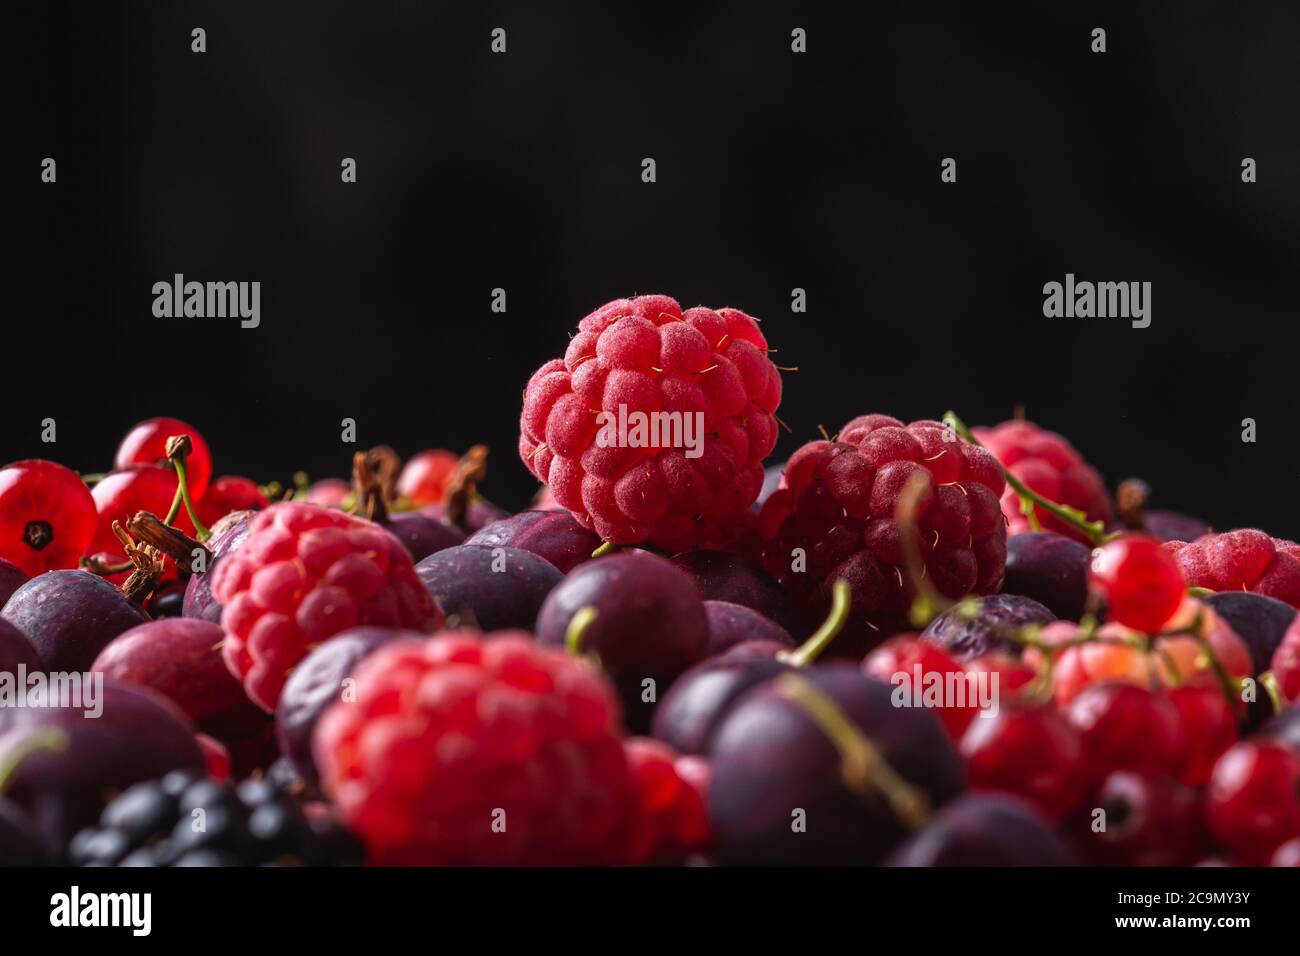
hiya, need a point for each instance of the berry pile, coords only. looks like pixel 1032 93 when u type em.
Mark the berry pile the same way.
pixel 907 645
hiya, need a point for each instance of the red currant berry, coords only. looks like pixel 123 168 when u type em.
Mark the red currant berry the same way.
pixel 1127 728
pixel 47 516
pixel 1253 802
pixel 1149 821
pixel 1031 752
pixel 146 444
pixel 1288 854
pixel 424 477
pixel 227 494
pixel 1286 663
pixel 1013 675
pixel 1209 728
pixel 1140 581
pixel 909 659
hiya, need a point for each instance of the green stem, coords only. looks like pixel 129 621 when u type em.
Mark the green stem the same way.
pixel 577 629
pixel 605 548
pixel 183 488
pixel 811 649
pixel 1094 530
pixel 45 738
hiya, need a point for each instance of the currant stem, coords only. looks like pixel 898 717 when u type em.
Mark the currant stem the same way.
pixel 45 738
pixel 577 628
pixel 200 531
pixel 1094 530
pixel 811 649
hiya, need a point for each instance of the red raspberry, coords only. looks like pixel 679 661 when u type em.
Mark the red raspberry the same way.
pixel 649 356
pixel 670 816
pixel 1244 560
pixel 837 503
pixel 303 574
pixel 1049 465
pixel 471 750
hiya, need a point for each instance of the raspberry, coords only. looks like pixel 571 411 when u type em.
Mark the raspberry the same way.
pixel 471 750
pixel 1049 465
pixel 670 816
pixel 649 356
pixel 303 574
pixel 1244 560
pixel 835 512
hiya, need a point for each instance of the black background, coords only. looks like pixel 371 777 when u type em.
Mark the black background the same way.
pixel 775 171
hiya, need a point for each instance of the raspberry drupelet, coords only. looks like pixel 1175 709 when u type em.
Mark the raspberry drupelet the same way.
pixel 1048 464
pixel 303 574
pixel 834 516
pixel 646 355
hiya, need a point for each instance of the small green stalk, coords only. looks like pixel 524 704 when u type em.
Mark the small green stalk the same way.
pixel 183 489
pixel 1094 530
pixel 577 629
pixel 44 738
pixel 606 547
pixel 811 649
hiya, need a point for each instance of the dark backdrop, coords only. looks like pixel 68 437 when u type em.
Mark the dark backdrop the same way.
pixel 775 170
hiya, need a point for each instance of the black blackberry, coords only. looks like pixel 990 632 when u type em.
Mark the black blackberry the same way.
pixel 185 819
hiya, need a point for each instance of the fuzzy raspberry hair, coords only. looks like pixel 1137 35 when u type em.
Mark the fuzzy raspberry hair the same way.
pixel 650 356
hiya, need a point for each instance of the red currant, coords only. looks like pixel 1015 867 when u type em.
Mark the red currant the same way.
pixel 1013 674
pixel 146 444
pixel 1149 821
pixel 1127 728
pixel 1209 728
pixel 47 516
pixel 1031 752
pixel 1253 803
pixel 229 493
pixel 1288 854
pixel 424 477
pixel 1140 581
pixel 903 655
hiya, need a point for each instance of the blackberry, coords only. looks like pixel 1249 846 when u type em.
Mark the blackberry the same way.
pixel 184 819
